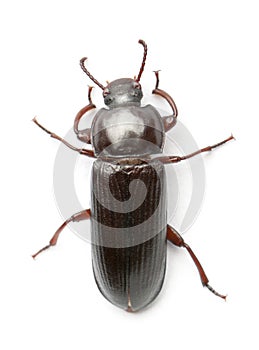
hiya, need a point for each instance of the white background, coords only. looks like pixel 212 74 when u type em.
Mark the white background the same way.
pixel 208 54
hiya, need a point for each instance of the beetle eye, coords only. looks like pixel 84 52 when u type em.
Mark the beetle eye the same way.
pixel 106 92
pixel 136 85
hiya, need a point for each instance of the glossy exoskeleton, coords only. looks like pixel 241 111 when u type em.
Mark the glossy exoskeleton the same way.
pixel 129 229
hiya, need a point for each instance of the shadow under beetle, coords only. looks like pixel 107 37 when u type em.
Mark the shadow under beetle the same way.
pixel 129 230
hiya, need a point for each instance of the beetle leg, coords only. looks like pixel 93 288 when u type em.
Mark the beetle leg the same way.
pixel 169 121
pixel 80 216
pixel 83 151
pixel 176 159
pixel 84 135
pixel 174 237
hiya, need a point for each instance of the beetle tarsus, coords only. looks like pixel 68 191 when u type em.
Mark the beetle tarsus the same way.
pixel 41 250
pixel 212 290
pixel 40 126
pixel 80 216
pixel 157 78
pixel 231 137
pixel 174 237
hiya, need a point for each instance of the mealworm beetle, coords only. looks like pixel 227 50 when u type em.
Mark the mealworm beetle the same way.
pixel 129 229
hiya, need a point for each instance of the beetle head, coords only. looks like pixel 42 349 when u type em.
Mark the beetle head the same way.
pixel 121 92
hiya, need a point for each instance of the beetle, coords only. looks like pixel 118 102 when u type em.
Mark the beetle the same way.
pixel 129 230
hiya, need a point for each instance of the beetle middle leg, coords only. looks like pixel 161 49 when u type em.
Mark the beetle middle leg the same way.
pixel 83 151
pixel 174 237
pixel 80 216
pixel 177 159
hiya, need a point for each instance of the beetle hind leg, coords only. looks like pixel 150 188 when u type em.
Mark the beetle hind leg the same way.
pixel 80 216
pixel 174 237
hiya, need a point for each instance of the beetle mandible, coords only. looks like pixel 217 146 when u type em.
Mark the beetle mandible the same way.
pixel 129 230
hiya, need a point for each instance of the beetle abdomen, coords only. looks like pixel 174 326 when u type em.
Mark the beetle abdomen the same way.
pixel 129 231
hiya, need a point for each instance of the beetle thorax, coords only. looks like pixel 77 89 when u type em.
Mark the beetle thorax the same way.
pixel 127 131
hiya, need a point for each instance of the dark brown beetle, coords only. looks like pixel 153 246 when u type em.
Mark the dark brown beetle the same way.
pixel 129 227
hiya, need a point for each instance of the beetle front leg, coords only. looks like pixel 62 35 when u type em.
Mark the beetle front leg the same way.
pixel 169 121
pixel 83 151
pixel 80 216
pixel 84 135
pixel 174 237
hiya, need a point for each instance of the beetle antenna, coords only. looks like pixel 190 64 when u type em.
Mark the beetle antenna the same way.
pixel 142 42
pixel 82 61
